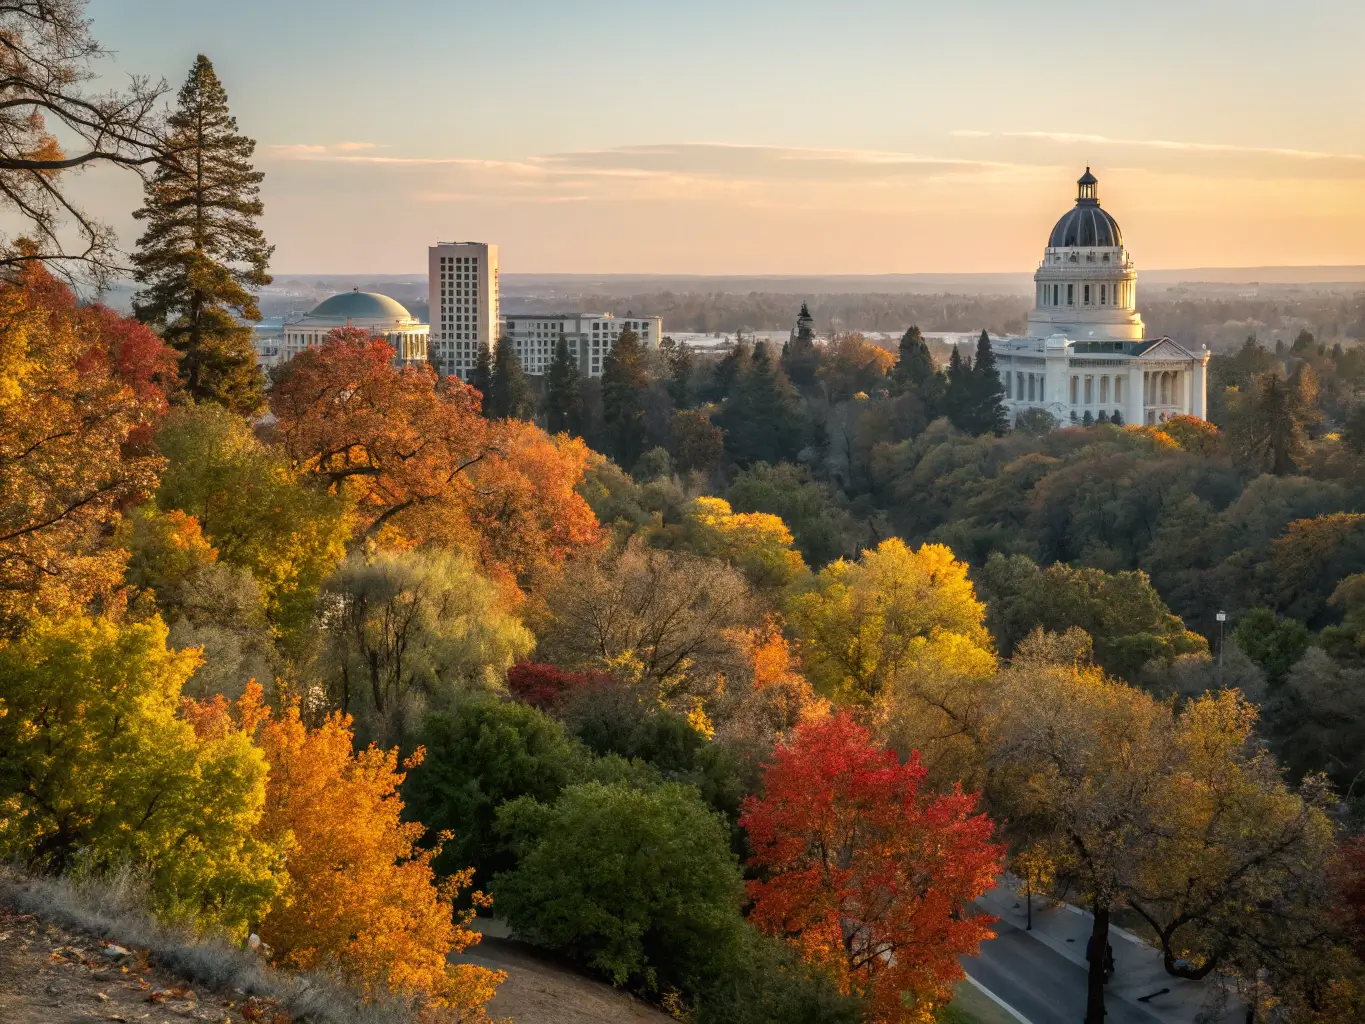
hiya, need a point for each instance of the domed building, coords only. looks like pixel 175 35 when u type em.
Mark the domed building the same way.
pixel 1086 349
pixel 382 316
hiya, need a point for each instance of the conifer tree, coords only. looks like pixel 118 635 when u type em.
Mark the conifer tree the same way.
pixel 563 392
pixel 509 392
pixel 203 254
pixel 958 402
pixel 988 392
pixel 800 357
pixel 762 417
pixel 680 363
pixel 481 378
pixel 916 372
pixel 624 379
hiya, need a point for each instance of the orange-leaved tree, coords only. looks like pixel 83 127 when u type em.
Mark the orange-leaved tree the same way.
pixel 864 875
pixel 79 393
pixel 361 893
pixel 421 464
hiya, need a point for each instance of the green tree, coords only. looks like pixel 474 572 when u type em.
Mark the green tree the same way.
pixel 958 400
pixel 1269 424
pixel 564 392
pixel 678 359
pixel 698 444
pixel 915 371
pixel 480 754
pixel 624 379
pixel 203 253
pixel 640 885
pixel 99 771
pixel 1272 643
pixel 509 393
pixel 481 378
pixel 800 356
pixel 988 393
pixel 820 524
pixel 762 418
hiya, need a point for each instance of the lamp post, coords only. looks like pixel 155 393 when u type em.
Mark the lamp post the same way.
pixel 1222 618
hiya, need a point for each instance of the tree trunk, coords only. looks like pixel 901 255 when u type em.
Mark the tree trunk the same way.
pixel 1099 946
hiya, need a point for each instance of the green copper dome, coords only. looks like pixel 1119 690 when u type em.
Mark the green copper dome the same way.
pixel 361 306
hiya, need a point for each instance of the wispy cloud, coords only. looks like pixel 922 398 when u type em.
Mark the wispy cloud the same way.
pixel 1168 144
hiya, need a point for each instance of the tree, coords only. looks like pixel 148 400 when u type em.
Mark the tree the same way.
pixel 78 397
pixel 363 894
pixel 678 358
pixel 1315 721
pixel 1038 422
pixel 624 379
pixel 821 527
pixel 639 885
pixel 1272 643
pixel 546 686
pixel 509 393
pixel 563 395
pixel 1268 428
pixel 659 616
pixel 100 772
pixel 866 877
pixel 756 543
pixel 915 369
pixel 958 400
pixel 202 253
pixel 852 366
pixel 48 51
pixel 259 512
pixel 414 627
pixel 801 359
pixel 864 624
pixel 698 444
pixel 762 417
pixel 988 392
pixel 481 379
pixel 480 754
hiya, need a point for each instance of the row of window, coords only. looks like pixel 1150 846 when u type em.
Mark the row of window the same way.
pixel 1090 294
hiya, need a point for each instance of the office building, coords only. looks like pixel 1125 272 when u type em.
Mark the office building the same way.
pixel 462 281
pixel 591 336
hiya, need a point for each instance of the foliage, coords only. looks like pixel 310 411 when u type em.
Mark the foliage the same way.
pixel 202 254
pixel 100 773
pixel 509 392
pixel 821 526
pixel 254 508
pixel 563 392
pixel 1121 611
pixel 78 393
pixel 545 686
pixel 769 983
pixel 639 884
pixel 697 443
pixel 624 377
pixel 411 628
pixel 756 543
pixel 864 876
pixel 850 365
pixel 361 892
pixel 479 755
pixel 863 624
pixel 762 417
pixel 1273 644
pixel 1193 434
pixel 1316 718
pixel 1268 423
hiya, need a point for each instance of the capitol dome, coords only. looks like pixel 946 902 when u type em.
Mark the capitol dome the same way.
pixel 358 305
pixel 1086 226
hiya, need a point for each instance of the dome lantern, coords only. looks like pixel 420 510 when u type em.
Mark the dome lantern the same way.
pixel 1086 225
pixel 1085 188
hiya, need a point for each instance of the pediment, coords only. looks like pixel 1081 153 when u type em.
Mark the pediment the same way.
pixel 1165 348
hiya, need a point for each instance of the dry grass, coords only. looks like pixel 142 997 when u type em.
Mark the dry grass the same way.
pixel 112 909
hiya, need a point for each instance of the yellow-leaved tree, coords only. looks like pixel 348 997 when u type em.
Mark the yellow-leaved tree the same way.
pixel 361 894
pixel 756 543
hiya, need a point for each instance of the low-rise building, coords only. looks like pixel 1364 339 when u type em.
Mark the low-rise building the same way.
pixel 533 337
pixel 380 315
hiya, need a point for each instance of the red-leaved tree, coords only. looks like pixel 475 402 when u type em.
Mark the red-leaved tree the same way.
pixel 864 875
pixel 544 686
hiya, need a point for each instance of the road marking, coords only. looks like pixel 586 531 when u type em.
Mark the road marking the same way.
pixel 999 1002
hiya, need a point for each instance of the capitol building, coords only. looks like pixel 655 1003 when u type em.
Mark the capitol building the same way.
pixel 380 315
pixel 1085 349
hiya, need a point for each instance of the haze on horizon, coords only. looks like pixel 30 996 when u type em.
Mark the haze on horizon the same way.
pixel 758 137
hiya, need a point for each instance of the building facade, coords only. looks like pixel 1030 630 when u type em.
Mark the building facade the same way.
pixel 462 284
pixel 382 316
pixel 1086 350
pixel 533 337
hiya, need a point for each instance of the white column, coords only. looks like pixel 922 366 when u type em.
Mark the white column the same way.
pixel 1136 398
pixel 1199 385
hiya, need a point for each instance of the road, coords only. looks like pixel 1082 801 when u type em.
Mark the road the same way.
pixel 1039 982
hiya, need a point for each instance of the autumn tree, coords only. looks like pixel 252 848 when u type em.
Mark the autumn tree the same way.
pixel 698 444
pixel 410 628
pixel 203 255
pixel 756 543
pixel 48 52
pixel 417 462
pixel 100 772
pixel 852 365
pixel 79 395
pixel 867 877
pixel 362 893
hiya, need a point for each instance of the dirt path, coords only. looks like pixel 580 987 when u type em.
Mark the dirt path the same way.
pixel 538 991
pixel 52 976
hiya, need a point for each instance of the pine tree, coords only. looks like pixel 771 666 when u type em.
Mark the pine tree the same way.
pixel 988 392
pixel 624 379
pixel 958 402
pixel 916 372
pixel 509 392
pixel 1088 420
pixel 680 364
pixel 481 378
pixel 202 254
pixel 800 357
pixel 1118 419
pixel 762 417
pixel 563 392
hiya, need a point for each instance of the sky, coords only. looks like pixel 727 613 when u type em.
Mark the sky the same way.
pixel 766 137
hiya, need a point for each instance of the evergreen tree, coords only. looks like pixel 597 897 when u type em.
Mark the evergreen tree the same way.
pixel 481 378
pixel 988 392
pixel 563 392
pixel 509 393
pixel 1088 420
pixel 958 399
pixel 800 357
pixel 727 372
pixel 916 372
pixel 762 418
pixel 624 380
pixel 1117 419
pixel 202 253
pixel 678 357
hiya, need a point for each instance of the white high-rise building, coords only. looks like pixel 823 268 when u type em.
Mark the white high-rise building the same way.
pixel 462 281
pixel 1086 355
pixel 591 336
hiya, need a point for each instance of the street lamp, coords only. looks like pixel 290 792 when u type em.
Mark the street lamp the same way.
pixel 1222 617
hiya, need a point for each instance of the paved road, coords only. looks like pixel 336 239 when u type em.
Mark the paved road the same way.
pixel 1039 982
